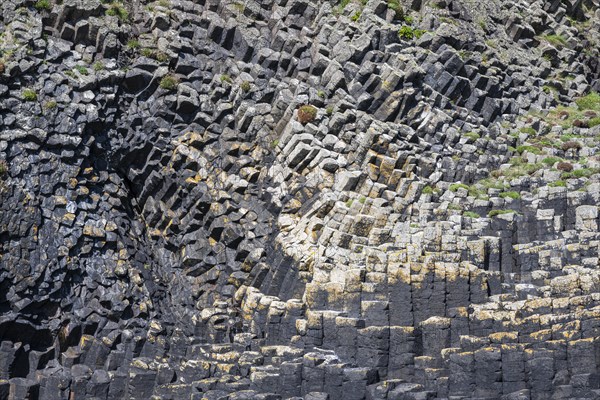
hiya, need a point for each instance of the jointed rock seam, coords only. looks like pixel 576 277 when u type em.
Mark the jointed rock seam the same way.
pixel 299 199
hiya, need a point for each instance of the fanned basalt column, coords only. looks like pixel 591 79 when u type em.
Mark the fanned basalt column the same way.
pixel 299 199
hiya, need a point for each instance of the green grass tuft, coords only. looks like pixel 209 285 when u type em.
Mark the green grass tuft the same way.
pixel 555 40
pixel 550 161
pixel 43 5
pixel 81 69
pixel 226 79
pixel 306 114
pixel 528 130
pixel 494 213
pixel 169 82
pixel 579 173
pixel 472 135
pixel 409 33
pixel 589 102
pixel 559 183
pixel 397 8
pixel 117 9
pixel 50 105
pixel 29 95
pixel 513 195
pixel 455 186
pixel 530 149
pixel 98 66
pixel 245 86
pixel 133 44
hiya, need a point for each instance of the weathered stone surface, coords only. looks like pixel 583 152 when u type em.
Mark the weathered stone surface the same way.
pixel 173 226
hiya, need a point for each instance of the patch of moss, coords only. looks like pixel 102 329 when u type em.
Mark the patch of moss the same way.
pixel 494 213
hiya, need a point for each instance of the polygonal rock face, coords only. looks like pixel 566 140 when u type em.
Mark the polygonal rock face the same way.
pixel 262 200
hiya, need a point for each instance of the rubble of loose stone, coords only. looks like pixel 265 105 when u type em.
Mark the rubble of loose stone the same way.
pixel 170 228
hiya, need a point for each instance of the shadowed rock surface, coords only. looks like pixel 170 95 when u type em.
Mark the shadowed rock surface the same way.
pixel 299 199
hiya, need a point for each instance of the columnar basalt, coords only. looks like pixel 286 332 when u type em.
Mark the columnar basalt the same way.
pixel 299 199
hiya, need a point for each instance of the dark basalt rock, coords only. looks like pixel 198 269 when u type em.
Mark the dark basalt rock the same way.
pixel 420 238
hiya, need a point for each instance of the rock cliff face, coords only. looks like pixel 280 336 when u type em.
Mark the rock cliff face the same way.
pixel 299 199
